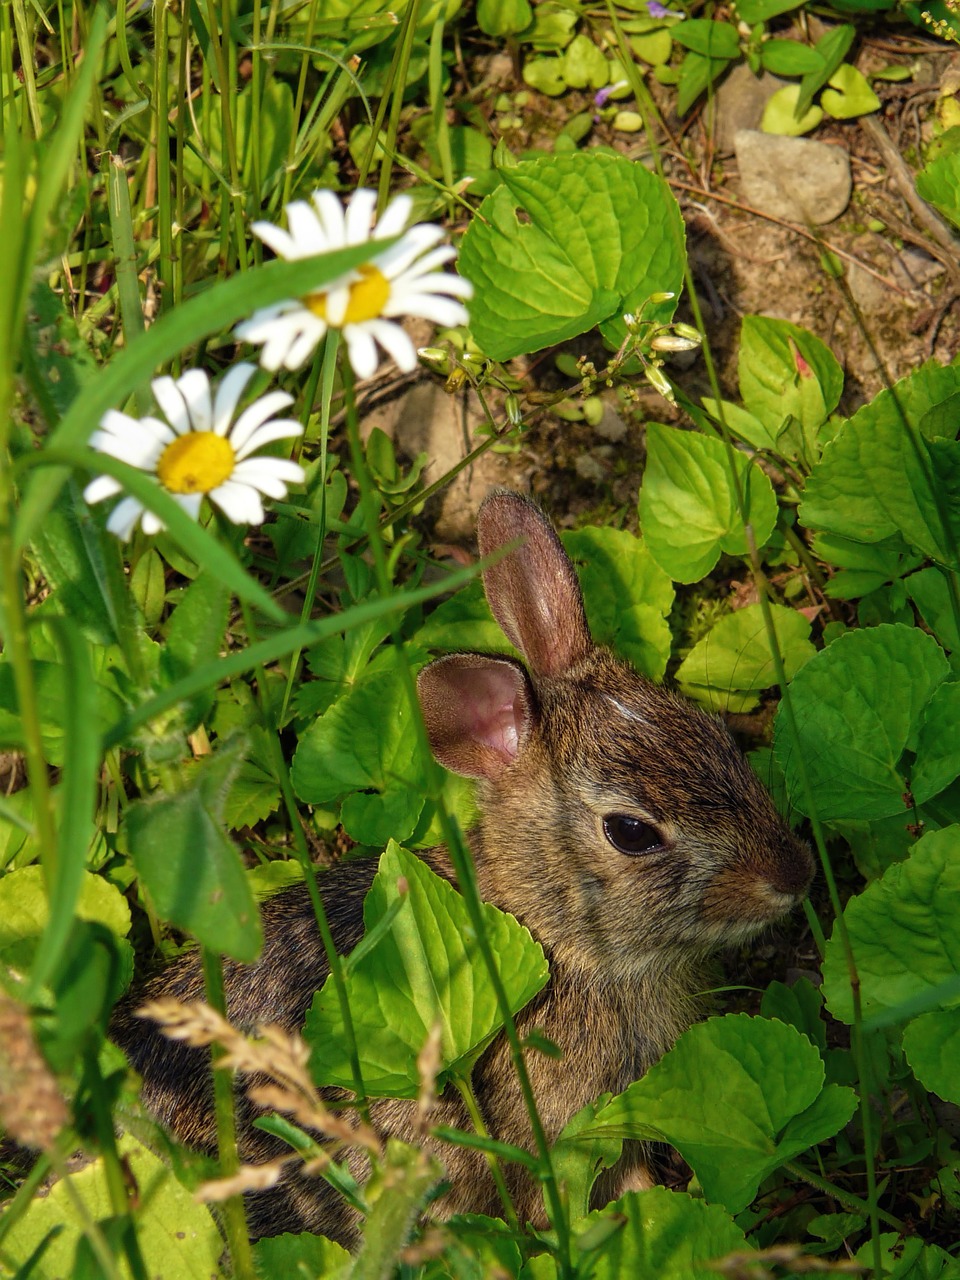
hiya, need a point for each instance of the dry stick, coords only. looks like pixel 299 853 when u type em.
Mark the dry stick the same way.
pixel 790 226
pixel 903 178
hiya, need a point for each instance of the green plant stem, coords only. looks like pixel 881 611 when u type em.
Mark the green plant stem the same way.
pixel 227 102
pixel 161 143
pixel 464 1087
pixel 26 66
pixel 113 1170
pixel 846 1198
pixel 234 1216
pixel 401 64
pixel 459 852
pixel 302 853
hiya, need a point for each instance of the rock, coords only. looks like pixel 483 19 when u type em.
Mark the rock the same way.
pixel 739 103
pixel 793 178
pixel 611 426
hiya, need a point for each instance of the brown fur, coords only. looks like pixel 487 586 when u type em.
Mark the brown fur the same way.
pixel 558 745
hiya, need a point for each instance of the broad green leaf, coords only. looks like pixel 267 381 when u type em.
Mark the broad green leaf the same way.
pixel 869 484
pixel 780 114
pixel 930 592
pixel 904 929
pixel 580 1155
pixel 788 57
pixel 503 17
pixel 627 595
pixel 394 1195
pixel 754 11
pixel 545 75
pixel 910 1259
pixel 178 1237
pixel 464 622
pixel 190 868
pixel 800 1005
pixel 785 370
pixel 711 39
pixel 662 1235
pixel 194 635
pixel 938 744
pixel 426 969
pixel 24 910
pixel 729 667
pixel 857 707
pixel 364 749
pixel 696 74
pixel 288 1256
pixel 600 235
pixel 687 505
pixel 584 66
pixel 939 183
pixel 864 566
pixel 849 94
pixel 737 1096
pixel 52 702
pixel 932 1045
pixel 742 423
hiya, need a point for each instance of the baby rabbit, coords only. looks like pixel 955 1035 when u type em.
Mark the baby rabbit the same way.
pixel 619 823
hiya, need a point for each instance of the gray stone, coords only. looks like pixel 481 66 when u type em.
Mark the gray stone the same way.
pixel 739 103
pixel 793 178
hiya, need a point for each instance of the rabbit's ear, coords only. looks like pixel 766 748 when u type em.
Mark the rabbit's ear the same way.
pixel 478 712
pixel 533 590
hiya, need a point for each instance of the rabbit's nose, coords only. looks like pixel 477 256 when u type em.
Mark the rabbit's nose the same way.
pixel 793 869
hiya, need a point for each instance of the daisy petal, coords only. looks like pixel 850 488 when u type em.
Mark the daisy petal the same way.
pixel 99 489
pixel 330 212
pixel 239 502
pixel 392 262
pixel 306 230
pixel 168 397
pixel 359 215
pixel 338 299
pixel 276 470
pixel 275 238
pixel 395 342
pixel 430 261
pixel 256 414
pixel 190 503
pixel 442 311
pixel 395 218
pixel 249 330
pixel 361 349
pixel 151 523
pixel 138 449
pixel 231 388
pixel 123 518
pixel 303 345
pixel 194 386
pixel 271 486
pixel 282 429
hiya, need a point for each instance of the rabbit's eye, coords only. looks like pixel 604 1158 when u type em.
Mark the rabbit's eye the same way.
pixel 631 835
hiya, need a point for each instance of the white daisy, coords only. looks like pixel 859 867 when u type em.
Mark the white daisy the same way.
pixel 402 280
pixel 199 450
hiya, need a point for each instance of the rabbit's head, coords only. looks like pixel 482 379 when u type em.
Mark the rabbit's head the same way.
pixel 620 823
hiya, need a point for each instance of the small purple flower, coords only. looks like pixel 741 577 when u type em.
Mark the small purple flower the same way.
pixel 658 10
pixel 601 96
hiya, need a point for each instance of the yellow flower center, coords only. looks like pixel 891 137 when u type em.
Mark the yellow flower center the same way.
pixel 196 463
pixel 368 297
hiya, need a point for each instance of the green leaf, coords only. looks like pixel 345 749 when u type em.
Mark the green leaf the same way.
pixel 394 1194
pixel 939 184
pixel 857 707
pixel 580 1155
pixel 584 66
pixel 738 1097
pixel 729 667
pixel 364 749
pixel 932 1045
pixel 930 592
pixel 464 622
pixel 910 1259
pixel 687 508
pixel 696 73
pixel 869 483
pixel 788 57
pixel 865 566
pixel 503 17
pixel 545 75
pixel 832 48
pixel 190 868
pixel 627 595
pixel 850 94
pixel 194 635
pixel 426 969
pixel 170 1223
pixel 800 1005
pixel 24 910
pixel 660 1235
pixel 784 370
pixel 743 424
pixel 601 234
pixel 711 39
pixel 904 930
pixel 938 744
pixel 754 11
pixel 781 116
pixel 288 1256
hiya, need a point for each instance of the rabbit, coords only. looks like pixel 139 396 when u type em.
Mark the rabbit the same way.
pixel 619 823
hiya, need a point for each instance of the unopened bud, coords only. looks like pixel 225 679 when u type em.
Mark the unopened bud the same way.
pixel 674 342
